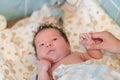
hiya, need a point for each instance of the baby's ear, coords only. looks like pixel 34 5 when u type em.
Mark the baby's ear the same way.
pixel 69 45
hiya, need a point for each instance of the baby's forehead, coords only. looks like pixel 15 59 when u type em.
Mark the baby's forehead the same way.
pixel 47 34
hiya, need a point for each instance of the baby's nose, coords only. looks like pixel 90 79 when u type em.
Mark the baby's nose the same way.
pixel 49 44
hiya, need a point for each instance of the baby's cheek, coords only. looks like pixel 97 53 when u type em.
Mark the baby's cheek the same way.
pixel 40 56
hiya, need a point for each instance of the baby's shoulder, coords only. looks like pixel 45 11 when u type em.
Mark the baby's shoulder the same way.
pixel 77 54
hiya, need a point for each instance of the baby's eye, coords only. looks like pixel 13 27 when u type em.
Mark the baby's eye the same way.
pixel 42 44
pixel 54 39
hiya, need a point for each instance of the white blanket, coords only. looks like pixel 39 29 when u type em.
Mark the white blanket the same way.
pixel 84 71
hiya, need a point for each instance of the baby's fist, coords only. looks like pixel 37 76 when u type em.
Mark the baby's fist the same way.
pixel 44 65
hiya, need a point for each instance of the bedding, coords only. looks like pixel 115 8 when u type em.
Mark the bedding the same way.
pixel 85 71
pixel 17 55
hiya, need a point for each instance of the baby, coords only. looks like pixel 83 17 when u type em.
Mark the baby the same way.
pixel 53 49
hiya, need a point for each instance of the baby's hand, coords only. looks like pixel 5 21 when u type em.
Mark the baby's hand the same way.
pixel 86 40
pixel 43 65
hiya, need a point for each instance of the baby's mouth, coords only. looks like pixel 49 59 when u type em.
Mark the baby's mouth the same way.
pixel 50 52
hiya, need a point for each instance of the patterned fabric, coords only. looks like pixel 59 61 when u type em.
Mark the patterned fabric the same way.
pixel 17 55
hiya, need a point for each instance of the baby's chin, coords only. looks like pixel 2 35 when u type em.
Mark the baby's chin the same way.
pixel 58 59
pixel 51 60
pixel 48 59
pixel 55 61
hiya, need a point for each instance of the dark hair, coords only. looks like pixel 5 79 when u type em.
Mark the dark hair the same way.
pixel 47 26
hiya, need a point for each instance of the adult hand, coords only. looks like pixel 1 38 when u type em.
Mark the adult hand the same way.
pixel 108 42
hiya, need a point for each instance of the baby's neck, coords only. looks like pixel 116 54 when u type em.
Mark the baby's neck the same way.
pixel 56 64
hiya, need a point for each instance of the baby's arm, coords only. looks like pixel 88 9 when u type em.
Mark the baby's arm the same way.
pixel 43 67
pixel 87 41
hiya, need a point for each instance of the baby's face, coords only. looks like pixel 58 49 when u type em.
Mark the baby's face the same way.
pixel 50 45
